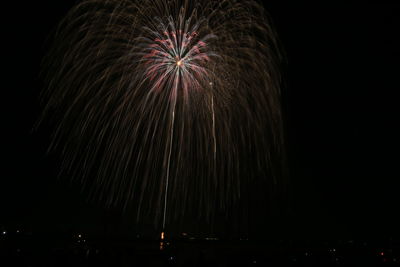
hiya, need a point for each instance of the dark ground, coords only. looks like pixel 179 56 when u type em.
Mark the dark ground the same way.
pixel 21 249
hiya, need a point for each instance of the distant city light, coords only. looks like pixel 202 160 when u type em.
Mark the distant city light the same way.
pixel 4 233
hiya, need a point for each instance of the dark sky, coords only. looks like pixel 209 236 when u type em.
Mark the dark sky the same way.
pixel 341 122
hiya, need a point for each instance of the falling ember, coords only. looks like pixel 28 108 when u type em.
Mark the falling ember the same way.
pixel 168 108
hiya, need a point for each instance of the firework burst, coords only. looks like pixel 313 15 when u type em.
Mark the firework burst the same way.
pixel 158 102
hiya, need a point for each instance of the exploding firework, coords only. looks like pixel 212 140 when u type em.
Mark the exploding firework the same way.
pixel 164 107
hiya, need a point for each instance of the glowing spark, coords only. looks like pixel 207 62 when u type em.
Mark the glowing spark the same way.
pixel 162 235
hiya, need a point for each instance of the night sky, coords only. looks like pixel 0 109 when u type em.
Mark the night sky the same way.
pixel 341 119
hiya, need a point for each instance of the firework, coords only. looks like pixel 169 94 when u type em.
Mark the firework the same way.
pixel 158 102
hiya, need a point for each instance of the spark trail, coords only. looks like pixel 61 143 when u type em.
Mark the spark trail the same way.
pixel 167 108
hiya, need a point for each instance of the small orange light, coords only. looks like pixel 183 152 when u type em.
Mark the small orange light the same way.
pixel 162 235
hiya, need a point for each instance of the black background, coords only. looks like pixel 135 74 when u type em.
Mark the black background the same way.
pixel 341 117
